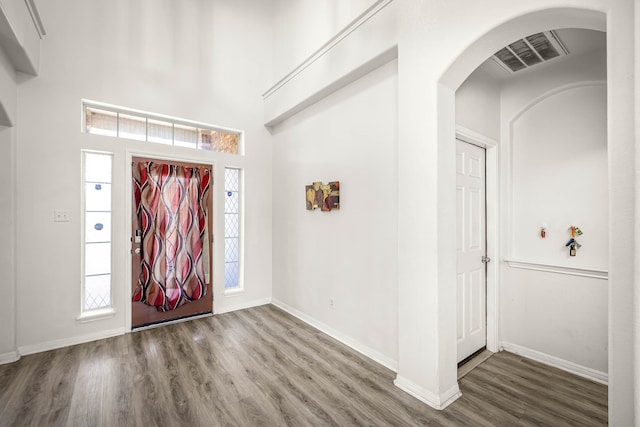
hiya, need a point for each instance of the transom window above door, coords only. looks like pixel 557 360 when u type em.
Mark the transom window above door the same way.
pixel 120 122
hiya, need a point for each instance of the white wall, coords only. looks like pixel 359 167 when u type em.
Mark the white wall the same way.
pixel 559 177
pixel 554 154
pixel 636 260
pixel 556 318
pixel 8 95
pixel 302 26
pixel 110 65
pixel 187 60
pixel 478 105
pixel 349 254
pixel 19 50
pixel 429 72
pixel 7 249
pixel 20 35
pixel 8 91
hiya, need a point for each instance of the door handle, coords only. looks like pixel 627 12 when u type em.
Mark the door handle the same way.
pixel 136 251
pixel 486 259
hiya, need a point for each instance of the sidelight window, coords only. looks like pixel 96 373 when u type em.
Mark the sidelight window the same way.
pixel 96 285
pixel 232 229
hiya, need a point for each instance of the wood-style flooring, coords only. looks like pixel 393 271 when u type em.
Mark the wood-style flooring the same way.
pixel 263 367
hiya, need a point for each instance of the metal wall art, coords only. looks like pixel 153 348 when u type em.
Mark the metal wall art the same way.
pixel 323 196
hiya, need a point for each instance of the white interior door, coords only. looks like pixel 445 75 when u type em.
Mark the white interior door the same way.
pixel 471 244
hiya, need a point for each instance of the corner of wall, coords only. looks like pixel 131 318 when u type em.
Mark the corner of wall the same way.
pixel 438 402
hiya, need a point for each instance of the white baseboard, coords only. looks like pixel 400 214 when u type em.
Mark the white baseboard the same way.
pixel 556 362
pixel 357 346
pixel 241 306
pixel 66 342
pixel 438 402
pixel 9 357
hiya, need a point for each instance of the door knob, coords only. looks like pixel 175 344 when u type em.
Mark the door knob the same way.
pixel 136 251
pixel 486 259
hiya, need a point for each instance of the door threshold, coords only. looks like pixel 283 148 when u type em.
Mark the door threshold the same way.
pixel 472 362
pixel 170 321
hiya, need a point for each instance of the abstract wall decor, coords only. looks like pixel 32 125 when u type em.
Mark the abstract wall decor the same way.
pixel 323 196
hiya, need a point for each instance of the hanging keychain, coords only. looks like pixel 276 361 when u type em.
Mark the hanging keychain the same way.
pixel 573 244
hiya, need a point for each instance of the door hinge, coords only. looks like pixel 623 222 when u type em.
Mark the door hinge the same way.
pixel 486 259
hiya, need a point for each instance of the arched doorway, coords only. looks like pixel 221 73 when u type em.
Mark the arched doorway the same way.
pixel 620 137
pixel 550 121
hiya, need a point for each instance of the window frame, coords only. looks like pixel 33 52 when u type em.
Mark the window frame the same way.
pixel 87 315
pixel 239 289
pixel 159 117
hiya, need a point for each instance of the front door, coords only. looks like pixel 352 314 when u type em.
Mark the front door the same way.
pixel 171 250
pixel 471 245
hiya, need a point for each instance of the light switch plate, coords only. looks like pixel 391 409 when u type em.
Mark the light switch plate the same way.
pixel 60 216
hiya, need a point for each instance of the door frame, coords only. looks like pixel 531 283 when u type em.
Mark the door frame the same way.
pixel 128 206
pixel 492 231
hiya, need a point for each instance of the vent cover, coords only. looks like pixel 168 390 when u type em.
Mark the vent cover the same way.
pixel 529 51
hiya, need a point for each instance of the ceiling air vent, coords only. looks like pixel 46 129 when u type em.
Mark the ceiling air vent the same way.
pixel 529 51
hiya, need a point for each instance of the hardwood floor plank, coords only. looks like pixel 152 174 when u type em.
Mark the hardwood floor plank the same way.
pixel 486 400
pixel 350 378
pixel 546 389
pixel 263 367
pixel 85 407
pixel 48 389
pixel 118 408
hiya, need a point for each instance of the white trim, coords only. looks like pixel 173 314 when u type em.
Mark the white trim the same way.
pixel 13 46
pixel 128 206
pixel 66 342
pixel 473 137
pixel 555 91
pixel 9 357
pixel 35 17
pixel 595 273
pixel 93 315
pixel 102 313
pixel 437 402
pixel 243 305
pixel 325 48
pixel 87 103
pixel 273 119
pixel 492 191
pixel 356 345
pixel 127 282
pixel 13 239
pixel 233 292
pixel 556 362
pixel 239 289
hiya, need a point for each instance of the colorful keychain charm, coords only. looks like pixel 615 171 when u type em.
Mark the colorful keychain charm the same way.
pixel 573 244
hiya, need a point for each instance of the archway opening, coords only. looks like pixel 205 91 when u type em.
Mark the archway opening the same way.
pixel 500 245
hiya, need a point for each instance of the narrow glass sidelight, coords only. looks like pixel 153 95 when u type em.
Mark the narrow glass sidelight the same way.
pixel 232 229
pixel 96 289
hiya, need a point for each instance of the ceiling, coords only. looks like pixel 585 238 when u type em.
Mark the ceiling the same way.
pixel 577 42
